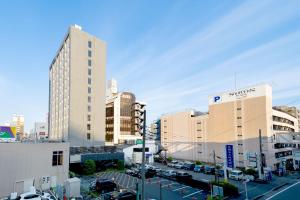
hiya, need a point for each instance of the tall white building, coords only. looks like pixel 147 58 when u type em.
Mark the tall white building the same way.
pixel 18 122
pixel 77 90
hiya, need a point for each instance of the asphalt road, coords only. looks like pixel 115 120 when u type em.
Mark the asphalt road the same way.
pixel 290 192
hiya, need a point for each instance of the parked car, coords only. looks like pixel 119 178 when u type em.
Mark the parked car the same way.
pixel 188 166
pixel 172 163
pixel 209 169
pixel 129 172
pixel 122 195
pixel 92 186
pixel 236 175
pixel 183 176
pixel 105 185
pixel 199 168
pixel 178 165
pixel 170 174
pixel 220 172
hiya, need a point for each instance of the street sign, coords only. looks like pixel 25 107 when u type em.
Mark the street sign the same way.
pixel 139 141
pixel 229 156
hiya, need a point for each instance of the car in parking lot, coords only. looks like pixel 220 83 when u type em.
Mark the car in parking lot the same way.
pixel 172 163
pixel 121 195
pixel 178 165
pixel 220 172
pixel 169 174
pixel 209 169
pixel 105 185
pixel 188 166
pixel 183 176
pixel 236 175
pixel 199 168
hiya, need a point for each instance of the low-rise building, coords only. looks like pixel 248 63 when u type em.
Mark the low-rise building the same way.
pixel 44 165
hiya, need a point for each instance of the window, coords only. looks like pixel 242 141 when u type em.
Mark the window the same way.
pixel 90 54
pixel 88 127
pixel 239 126
pixel 89 90
pixel 239 108
pixel 89 99
pixel 88 136
pixel 57 158
pixel 90 63
pixel 90 44
pixel 239 117
pixel 89 108
pixel 89 81
pixel 89 72
pixel 89 117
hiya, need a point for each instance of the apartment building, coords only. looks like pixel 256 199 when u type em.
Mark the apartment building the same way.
pixel 234 118
pixel 77 90
pixel 122 113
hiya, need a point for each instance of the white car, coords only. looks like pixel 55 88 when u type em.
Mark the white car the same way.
pixel 172 163
pixel 236 175
pixel 31 196
pixel 178 165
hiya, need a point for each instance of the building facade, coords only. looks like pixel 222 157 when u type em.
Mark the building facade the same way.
pixel 77 90
pixel 234 118
pixel 18 122
pixel 40 130
pixel 122 114
pixel 43 165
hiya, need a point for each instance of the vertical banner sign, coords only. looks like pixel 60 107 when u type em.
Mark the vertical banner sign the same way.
pixel 229 156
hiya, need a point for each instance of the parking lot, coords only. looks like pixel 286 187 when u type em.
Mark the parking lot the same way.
pixel 169 189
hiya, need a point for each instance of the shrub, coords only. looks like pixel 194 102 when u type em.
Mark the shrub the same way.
pixel 251 171
pixel 228 188
pixel 71 174
pixel 120 165
pixel 197 162
pixel 89 167
pixel 169 158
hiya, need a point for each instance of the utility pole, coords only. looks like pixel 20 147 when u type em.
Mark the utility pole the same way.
pixel 143 156
pixel 259 162
pixel 214 155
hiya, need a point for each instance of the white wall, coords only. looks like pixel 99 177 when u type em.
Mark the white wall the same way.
pixel 24 161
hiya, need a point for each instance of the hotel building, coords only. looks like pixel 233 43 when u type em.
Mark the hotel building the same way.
pixel 77 90
pixel 233 118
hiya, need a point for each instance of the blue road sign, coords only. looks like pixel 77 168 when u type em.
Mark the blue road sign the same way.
pixel 229 156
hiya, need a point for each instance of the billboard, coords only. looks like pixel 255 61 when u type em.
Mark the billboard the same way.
pixel 229 156
pixel 7 133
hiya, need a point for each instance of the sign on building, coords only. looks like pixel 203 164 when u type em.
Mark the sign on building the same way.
pixel 7 133
pixel 229 156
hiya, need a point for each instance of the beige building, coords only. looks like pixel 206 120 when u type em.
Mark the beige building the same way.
pixel 291 110
pixel 22 165
pixel 122 113
pixel 235 118
pixel 77 90
pixel 18 122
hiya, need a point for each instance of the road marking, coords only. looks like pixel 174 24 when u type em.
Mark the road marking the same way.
pixel 181 188
pixel 168 185
pixel 128 178
pixel 282 190
pixel 192 194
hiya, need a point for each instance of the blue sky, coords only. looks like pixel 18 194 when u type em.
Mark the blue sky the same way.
pixel 171 54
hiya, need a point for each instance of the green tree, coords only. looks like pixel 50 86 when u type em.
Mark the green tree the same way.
pixel 89 167
pixel 169 159
pixel 120 165
pixel 197 162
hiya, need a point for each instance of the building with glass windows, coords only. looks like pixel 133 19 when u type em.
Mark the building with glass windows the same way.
pixel 77 90
pixel 122 116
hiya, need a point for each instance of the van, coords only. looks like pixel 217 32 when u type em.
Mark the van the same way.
pixel 236 175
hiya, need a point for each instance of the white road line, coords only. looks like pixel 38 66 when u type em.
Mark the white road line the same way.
pixel 168 185
pixel 191 194
pixel 128 177
pixel 181 188
pixel 158 181
pixel 124 180
pixel 283 190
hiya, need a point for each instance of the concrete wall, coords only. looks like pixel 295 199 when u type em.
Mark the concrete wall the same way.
pixel 24 161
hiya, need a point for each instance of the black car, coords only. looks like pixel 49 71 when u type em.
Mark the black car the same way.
pixel 149 173
pixel 188 166
pixel 183 176
pixel 105 185
pixel 123 195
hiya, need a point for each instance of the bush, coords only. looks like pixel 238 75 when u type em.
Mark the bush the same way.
pixel 120 165
pixel 169 159
pixel 197 162
pixel 228 188
pixel 251 171
pixel 71 174
pixel 89 167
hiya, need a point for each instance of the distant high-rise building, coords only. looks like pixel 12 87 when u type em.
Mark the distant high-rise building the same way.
pixel 77 90
pixel 18 122
pixel 40 130
pixel 122 112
